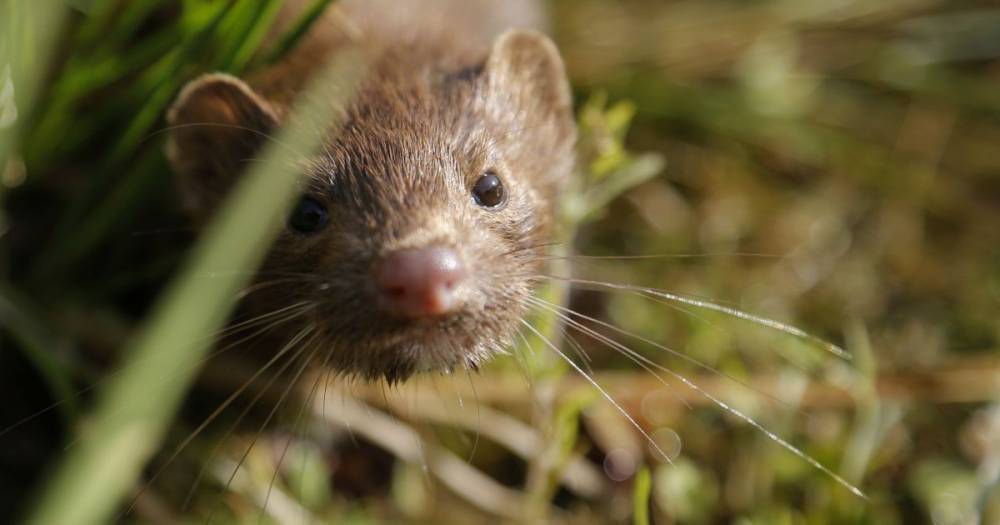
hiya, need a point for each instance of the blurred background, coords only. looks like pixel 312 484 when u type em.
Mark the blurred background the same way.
pixel 832 164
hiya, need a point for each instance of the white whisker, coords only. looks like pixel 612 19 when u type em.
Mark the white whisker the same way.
pixel 601 390
pixel 281 401
pixel 215 414
pixel 671 351
pixel 718 402
pixel 708 305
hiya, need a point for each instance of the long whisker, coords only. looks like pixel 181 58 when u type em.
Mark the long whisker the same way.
pixel 268 284
pixel 281 401
pixel 600 389
pixel 238 326
pixel 708 305
pixel 771 435
pixel 522 364
pixel 220 351
pixel 579 351
pixel 479 415
pixel 324 375
pixel 225 404
pixel 298 419
pixel 632 355
pixel 75 395
pixel 267 136
pixel 239 419
pixel 531 250
pixel 732 410
pixel 303 277
pixel 671 351
pixel 660 256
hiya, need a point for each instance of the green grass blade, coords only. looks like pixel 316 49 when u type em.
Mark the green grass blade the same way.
pixel 640 497
pixel 252 32
pixel 111 22
pixel 40 346
pixel 298 30
pixel 28 35
pixel 163 81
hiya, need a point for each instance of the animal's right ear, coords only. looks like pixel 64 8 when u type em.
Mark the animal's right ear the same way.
pixel 217 125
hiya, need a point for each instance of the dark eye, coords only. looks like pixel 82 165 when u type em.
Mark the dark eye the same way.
pixel 309 216
pixel 489 191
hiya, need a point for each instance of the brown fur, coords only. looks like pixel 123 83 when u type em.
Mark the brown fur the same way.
pixel 436 109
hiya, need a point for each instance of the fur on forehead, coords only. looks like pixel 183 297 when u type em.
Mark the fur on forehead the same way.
pixel 515 100
pixel 407 96
pixel 521 78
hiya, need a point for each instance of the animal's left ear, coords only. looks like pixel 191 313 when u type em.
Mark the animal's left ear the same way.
pixel 526 66
pixel 217 124
pixel 529 91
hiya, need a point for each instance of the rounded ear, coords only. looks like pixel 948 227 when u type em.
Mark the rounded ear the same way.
pixel 524 67
pixel 528 90
pixel 217 124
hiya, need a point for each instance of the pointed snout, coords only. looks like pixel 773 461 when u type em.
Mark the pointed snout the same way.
pixel 421 282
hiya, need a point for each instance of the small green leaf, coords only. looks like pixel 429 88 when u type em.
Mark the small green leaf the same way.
pixel 634 173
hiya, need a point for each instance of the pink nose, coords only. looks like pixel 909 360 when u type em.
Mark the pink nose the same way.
pixel 421 282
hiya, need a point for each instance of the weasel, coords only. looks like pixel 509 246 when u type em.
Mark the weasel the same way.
pixel 421 224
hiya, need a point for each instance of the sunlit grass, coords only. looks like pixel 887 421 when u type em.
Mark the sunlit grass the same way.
pixel 831 167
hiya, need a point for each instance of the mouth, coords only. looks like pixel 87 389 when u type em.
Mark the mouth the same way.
pixel 382 346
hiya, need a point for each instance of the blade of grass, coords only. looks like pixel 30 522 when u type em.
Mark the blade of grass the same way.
pixel 88 70
pixel 81 5
pixel 298 30
pixel 640 497
pixel 66 247
pixel 252 32
pixel 132 16
pixel 588 193
pixel 101 72
pixel 163 76
pixel 642 169
pixel 40 345
pixel 127 16
pixel 135 409
pixel 239 18
pixel 29 34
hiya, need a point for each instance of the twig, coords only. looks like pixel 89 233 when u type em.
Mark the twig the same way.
pixel 404 442
pixel 970 380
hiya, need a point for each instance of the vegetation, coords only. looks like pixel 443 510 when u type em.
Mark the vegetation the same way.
pixel 827 164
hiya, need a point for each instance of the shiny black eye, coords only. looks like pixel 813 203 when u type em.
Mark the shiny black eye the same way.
pixel 309 216
pixel 489 191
